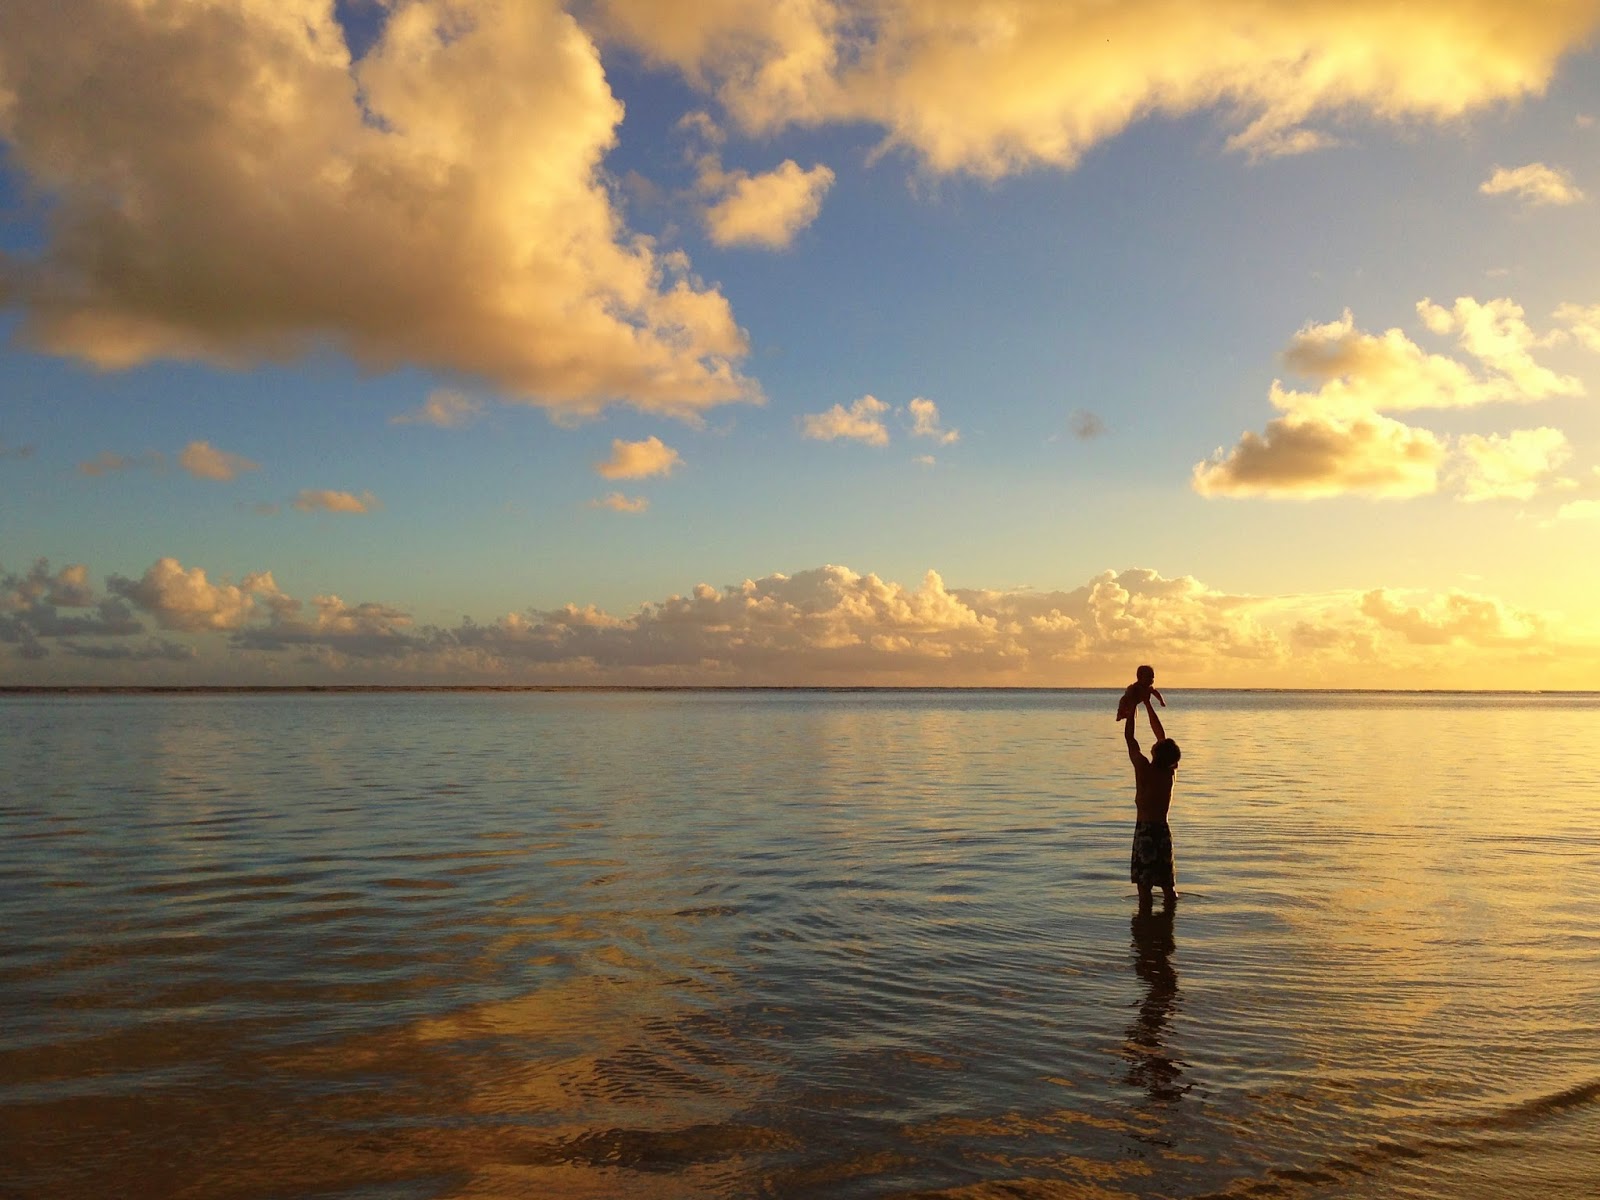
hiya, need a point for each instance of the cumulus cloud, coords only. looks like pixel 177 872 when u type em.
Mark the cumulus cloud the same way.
pixel 31 604
pixel 617 502
pixel 1335 439
pixel 325 500
pixel 1534 184
pixel 1512 467
pixel 996 86
pixel 828 625
pixel 1498 335
pixel 1584 322
pixel 444 408
pixel 768 209
pixel 1455 617
pixel 1310 457
pixel 925 422
pixel 205 461
pixel 66 588
pixel 187 600
pixel 638 460
pixel 438 202
pixel 861 422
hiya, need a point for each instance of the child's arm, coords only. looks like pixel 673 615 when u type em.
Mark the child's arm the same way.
pixel 1157 695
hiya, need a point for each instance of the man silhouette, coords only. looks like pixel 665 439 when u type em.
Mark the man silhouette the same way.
pixel 1151 865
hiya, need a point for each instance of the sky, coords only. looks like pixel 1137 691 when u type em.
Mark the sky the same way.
pixel 800 342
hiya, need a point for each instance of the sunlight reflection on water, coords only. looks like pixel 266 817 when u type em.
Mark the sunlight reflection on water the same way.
pixel 794 944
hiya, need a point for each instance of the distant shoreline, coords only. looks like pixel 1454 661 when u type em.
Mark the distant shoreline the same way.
pixel 359 688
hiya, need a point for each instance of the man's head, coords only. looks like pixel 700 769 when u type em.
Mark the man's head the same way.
pixel 1145 674
pixel 1165 753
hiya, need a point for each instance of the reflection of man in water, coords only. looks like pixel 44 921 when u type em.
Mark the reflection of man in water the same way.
pixel 1149 1064
pixel 1152 841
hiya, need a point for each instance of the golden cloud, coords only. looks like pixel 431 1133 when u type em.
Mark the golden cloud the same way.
pixel 638 460
pixel 830 625
pixel 861 422
pixel 1512 467
pixel 617 502
pixel 1334 440
pixel 996 86
pixel 1306 456
pixel 205 461
pixel 1534 184
pixel 326 500
pixel 770 209
pixel 925 422
pixel 229 186
pixel 188 600
pixel 445 408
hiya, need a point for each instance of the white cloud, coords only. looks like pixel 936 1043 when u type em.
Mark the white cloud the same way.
pixel 997 86
pixel 638 460
pixel 1511 467
pixel 326 500
pixel 861 422
pixel 444 408
pixel 769 209
pixel 925 422
pixel 617 502
pixel 439 202
pixel 205 461
pixel 1534 184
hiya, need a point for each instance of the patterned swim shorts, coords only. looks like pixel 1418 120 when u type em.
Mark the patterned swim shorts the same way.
pixel 1151 865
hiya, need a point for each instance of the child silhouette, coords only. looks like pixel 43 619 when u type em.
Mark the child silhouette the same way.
pixel 1138 692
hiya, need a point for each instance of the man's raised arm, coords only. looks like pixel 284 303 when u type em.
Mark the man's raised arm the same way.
pixel 1155 723
pixel 1134 753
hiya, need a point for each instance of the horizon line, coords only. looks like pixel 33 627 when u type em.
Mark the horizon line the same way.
pixel 146 689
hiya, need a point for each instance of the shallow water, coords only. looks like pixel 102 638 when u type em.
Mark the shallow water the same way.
pixel 794 944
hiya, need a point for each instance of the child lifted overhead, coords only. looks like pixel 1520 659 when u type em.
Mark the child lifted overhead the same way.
pixel 1139 692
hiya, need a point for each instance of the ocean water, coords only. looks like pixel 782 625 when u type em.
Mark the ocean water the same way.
pixel 385 946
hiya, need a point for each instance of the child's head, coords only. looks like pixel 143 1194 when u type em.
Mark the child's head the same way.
pixel 1145 674
pixel 1165 753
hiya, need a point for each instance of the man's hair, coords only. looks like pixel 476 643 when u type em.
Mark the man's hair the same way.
pixel 1145 674
pixel 1165 753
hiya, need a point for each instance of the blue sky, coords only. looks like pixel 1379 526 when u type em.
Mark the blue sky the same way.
pixel 1094 297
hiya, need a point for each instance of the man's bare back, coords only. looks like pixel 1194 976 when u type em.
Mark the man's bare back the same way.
pixel 1152 864
pixel 1152 790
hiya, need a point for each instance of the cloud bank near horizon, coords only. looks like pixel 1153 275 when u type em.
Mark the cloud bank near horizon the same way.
pixel 825 626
